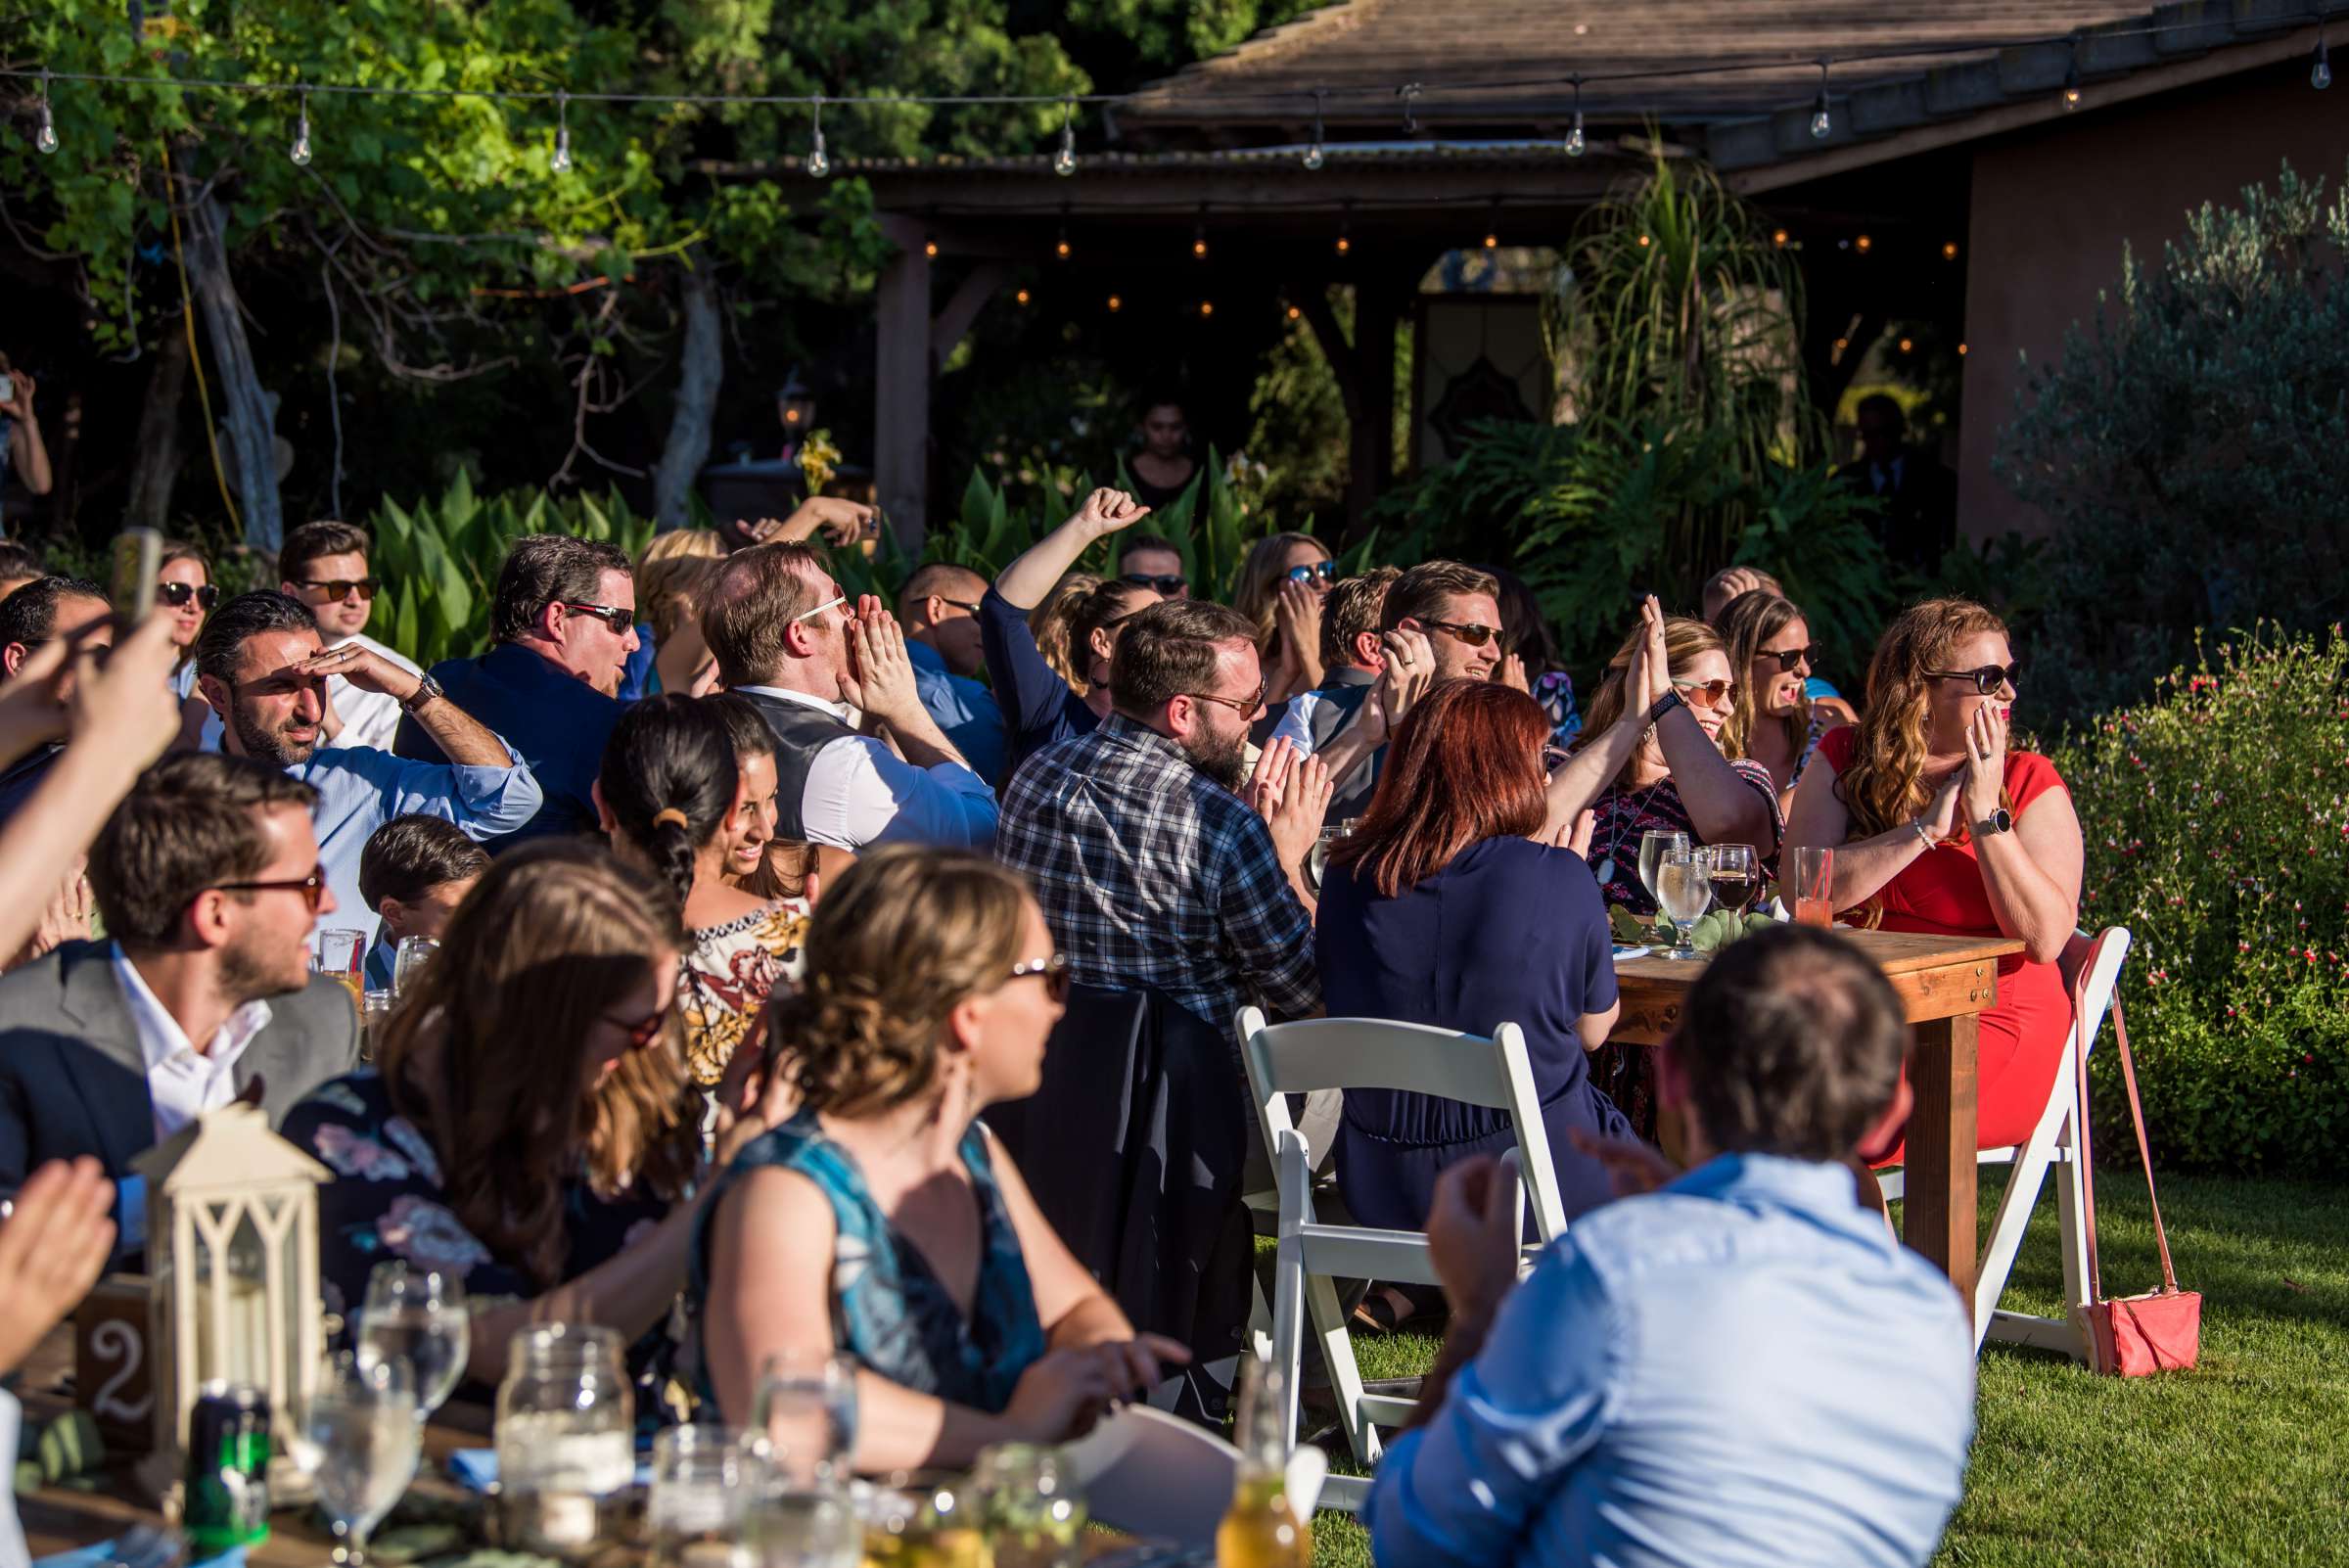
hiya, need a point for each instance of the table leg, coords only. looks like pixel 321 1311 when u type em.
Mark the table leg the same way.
pixel 1938 1193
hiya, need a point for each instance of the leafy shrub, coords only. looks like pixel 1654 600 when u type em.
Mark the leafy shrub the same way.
pixel 2189 444
pixel 2217 822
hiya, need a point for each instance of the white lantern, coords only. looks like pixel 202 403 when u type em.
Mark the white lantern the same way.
pixel 232 1257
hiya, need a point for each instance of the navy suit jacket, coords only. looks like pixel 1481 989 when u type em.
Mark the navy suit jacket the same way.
pixel 558 722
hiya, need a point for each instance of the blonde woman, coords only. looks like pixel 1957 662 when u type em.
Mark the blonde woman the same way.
pixel 1940 828
pixel 1773 720
pixel 1282 584
pixel 671 573
pixel 883 1220
pixel 1048 624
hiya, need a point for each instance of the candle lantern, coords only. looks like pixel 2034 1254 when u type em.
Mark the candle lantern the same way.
pixel 232 1255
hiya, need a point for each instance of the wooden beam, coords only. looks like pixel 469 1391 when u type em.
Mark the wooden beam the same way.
pixel 901 388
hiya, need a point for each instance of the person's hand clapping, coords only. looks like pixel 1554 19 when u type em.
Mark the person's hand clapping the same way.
pixel 1511 674
pixel 1985 764
pixel 52 1250
pixel 882 681
pixel 1296 822
pixel 1270 778
pixel 1649 678
pixel 1472 1231
pixel 1106 511
pixel 1575 835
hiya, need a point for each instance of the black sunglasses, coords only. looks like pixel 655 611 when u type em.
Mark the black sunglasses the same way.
pixel 1987 679
pixel 176 594
pixel 1788 657
pixel 959 604
pixel 1052 971
pixel 1167 587
pixel 1474 634
pixel 1325 571
pixel 312 888
pixel 337 587
pixel 611 614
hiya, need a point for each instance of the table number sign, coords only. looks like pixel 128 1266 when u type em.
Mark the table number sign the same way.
pixel 113 1366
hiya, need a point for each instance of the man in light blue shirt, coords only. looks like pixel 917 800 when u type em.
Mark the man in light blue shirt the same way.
pixel 1742 1366
pixel 260 666
pixel 939 612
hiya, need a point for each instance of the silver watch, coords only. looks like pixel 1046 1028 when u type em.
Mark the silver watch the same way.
pixel 427 688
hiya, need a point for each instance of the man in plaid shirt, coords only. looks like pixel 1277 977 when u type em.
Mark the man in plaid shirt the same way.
pixel 1151 869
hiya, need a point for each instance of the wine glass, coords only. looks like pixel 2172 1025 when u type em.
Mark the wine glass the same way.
pixel 1654 845
pixel 1736 878
pixel 806 1411
pixel 364 1436
pixel 1684 891
pixel 418 1315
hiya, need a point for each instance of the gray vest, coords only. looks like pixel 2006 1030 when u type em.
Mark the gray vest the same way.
pixel 800 731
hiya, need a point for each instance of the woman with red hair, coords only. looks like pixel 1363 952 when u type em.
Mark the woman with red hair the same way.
pixel 1446 908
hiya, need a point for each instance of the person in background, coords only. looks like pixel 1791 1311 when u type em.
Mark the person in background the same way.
pixel 1282 585
pixel 785 639
pixel 1049 625
pixel 1773 721
pixel 68 611
pixel 260 666
pixel 1916 492
pixel 18 565
pixel 1164 468
pixel 413 874
pixel 932 986
pixel 1441 622
pixel 56 1243
pixel 1531 664
pixel 562 628
pixel 209 881
pixel 938 607
pixel 668 788
pixel 1152 561
pixel 1742 1368
pixel 757 862
pixel 184 591
pixel 527 1126
pixel 1447 906
pixel 1939 826
pixel 1352 657
pixel 1151 869
pixel 1042 704
pixel 1732 582
pixel 672 573
pixel 22 450
pixel 324 565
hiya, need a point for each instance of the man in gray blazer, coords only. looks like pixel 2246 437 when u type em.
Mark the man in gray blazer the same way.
pixel 209 881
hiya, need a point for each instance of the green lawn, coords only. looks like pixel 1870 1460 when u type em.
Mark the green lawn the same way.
pixel 2243 1460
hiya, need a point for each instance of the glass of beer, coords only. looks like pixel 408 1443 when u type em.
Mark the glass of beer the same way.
pixel 340 955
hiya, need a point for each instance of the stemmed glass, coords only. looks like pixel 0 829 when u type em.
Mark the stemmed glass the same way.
pixel 363 1434
pixel 417 1316
pixel 1736 879
pixel 1654 845
pixel 1684 891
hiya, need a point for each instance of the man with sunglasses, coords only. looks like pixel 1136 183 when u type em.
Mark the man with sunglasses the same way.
pixel 1441 622
pixel 41 611
pixel 324 565
pixel 208 879
pixel 938 607
pixel 1151 561
pixel 562 625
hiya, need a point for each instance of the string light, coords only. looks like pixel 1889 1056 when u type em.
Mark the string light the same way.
pixel 1644 242
pixel 46 137
pixel 1345 240
pixel 1574 137
pixel 1313 153
pixel 1949 251
pixel 1199 237
pixel 1493 228
pixel 1294 312
pixel 300 152
pixel 1064 162
pixel 1961 350
pixel 930 245
pixel 1410 93
pixel 1060 246
pixel 1863 244
pixel 1777 237
pixel 1207 308
pixel 818 164
pixel 560 162
pixel 1822 124
pixel 1907 344
pixel 2320 72
pixel 1020 297
pixel 1115 304
pixel 2071 79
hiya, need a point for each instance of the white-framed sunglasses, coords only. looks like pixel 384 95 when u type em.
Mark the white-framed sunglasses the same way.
pixel 809 615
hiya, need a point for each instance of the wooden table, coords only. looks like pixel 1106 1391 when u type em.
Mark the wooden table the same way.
pixel 1946 983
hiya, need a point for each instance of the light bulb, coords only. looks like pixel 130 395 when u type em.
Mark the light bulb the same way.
pixel 1199 243
pixel 46 137
pixel 1116 304
pixel 1312 155
pixel 1207 308
pixel 818 165
pixel 1574 137
pixel 300 152
pixel 1492 240
pixel 2320 74
pixel 1060 247
pixel 1064 162
pixel 1344 244
pixel 2071 82
pixel 1822 124
pixel 930 245
pixel 560 162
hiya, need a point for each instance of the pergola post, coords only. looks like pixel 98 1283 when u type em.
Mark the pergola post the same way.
pixel 901 386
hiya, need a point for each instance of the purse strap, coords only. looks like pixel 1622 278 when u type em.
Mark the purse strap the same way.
pixel 2081 1039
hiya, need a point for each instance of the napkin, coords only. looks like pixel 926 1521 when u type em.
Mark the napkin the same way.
pixel 107 1552
pixel 476 1469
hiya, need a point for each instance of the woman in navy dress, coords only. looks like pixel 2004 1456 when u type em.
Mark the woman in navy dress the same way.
pixel 1446 908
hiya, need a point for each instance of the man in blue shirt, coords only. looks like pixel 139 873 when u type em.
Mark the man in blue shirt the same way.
pixel 259 666
pixel 939 609
pixel 561 629
pixel 1742 1366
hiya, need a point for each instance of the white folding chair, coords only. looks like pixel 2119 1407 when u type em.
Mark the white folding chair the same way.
pixel 1351 1053
pixel 2050 1142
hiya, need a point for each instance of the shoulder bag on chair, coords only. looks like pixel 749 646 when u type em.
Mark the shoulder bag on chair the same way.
pixel 2131 1336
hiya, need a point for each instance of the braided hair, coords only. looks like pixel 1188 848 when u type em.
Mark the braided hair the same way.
pixel 669 779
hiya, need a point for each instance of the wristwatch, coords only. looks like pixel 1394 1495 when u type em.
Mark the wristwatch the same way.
pixel 2001 820
pixel 426 689
pixel 1662 705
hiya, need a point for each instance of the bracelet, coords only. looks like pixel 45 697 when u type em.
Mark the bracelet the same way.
pixel 1925 838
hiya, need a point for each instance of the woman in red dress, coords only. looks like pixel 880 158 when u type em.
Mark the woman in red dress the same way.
pixel 1939 828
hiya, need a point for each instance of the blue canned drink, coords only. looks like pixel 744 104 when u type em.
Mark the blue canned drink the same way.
pixel 227 1495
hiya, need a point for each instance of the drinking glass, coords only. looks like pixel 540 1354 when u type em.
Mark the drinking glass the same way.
pixel 363 1435
pixel 786 1527
pixel 565 1440
pixel 704 1480
pixel 1684 891
pixel 1736 878
pixel 340 953
pixel 1318 860
pixel 1035 1508
pixel 1809 878
pixel 1654 845
pixel 412 954
pixel 806 1411
pixel 419 1314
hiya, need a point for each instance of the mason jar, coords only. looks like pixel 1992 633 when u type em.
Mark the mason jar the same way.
pixel 565 1440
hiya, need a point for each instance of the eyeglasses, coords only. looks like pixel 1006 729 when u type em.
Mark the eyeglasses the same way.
pixel 1706 693
pixel 1167 587
pixel 332 587
pixel 176 594
pixel 1243 705
pixel 1053 971
pixel 1987 679
pixel 611 614
pixel 811 615
pixel 963 605
pixel 312 888
pixel 1320 570
pixel 644 1031
pixel 1474 634
pixel 1788 657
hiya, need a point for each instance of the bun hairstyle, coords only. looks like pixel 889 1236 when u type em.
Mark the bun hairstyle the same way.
pixel 902 936
pixel 669 779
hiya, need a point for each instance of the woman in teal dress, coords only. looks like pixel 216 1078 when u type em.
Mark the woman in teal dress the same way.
pixel 883 1218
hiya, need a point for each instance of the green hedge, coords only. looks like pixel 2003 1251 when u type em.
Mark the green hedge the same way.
pixel 2217 824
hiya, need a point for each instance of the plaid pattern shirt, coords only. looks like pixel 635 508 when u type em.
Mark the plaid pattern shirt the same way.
pixel 1150 873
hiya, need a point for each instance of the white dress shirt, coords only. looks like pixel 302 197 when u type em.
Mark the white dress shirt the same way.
pixel 181 1083
pixel 369 717
pixel 861 792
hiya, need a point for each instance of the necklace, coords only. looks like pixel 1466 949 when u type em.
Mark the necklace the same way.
pixel 1606 866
